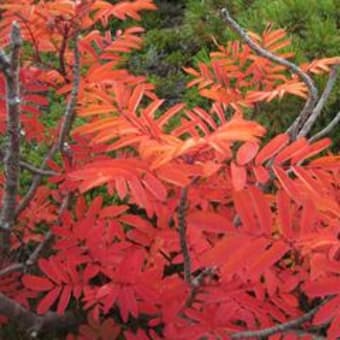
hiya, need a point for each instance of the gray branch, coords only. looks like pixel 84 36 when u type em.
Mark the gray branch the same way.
pixel 11 68
pixel 32 323
pixel 283 327
pixel 63 132
pixel 312 89
pixel 182 225
pixel 30 167
pixel 320 105
pixel 324 132
pixel 36 170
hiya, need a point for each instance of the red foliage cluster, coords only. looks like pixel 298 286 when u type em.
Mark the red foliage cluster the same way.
pixel 202 230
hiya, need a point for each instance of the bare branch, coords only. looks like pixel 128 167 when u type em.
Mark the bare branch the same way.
pixel 49 235
pixel 32 323
pixel 320 105
pixel 4 62
pixel 63 132
pixel 36 170
pixel 182 225
pixel 14 267
pixel 62 68
pixel 327 129
pixel 283 327
pixel 71 104
pixel 30 167
pixel 313 91
pixel 197 283
pixel 11 162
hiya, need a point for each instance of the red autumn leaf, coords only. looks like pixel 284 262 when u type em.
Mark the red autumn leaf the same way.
pixel 48 300
pixel 327 311
pixel 64 299
pixel 268 258
pixel 287 183
pixel 155 186
pixel 49 270
pixel 37 283
pixel 241 255
pixel 262 209
pixel 246 212
pixel 334 330
pixel 209 221
pixel 323 287
pixel 261 226
pixel 284 214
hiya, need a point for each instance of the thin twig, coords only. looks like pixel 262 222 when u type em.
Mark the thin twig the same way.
pixel 36 170
pixel 4 63
pixel 334 122
pixel 71 104
pixel 197 283
pixel 182 226
pixel 49 235
pixel 320 105
pixel 12 157
pixel 312 89
pixel 62 68
pixel 283 327
pixel 14 267
pixel 63 132
pixel 32 259
pixel 34 41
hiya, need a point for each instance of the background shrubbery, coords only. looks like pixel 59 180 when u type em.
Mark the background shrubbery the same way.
pixel 180 34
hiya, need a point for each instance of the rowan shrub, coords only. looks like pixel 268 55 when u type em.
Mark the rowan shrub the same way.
pixel 146 221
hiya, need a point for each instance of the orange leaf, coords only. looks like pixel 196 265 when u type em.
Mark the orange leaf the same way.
pixel 306 178
pixel 136 97
pixel 290 151
pixel 246 152
pixel 166 116
pixel 285 217
pixel 261 174
pixel 311 150
pixel 272 148
pixel 238 176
